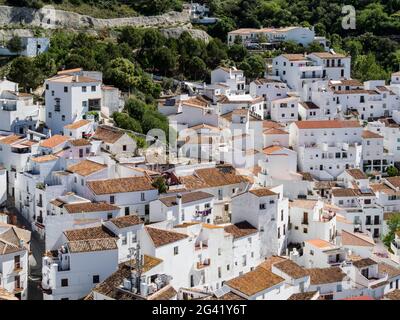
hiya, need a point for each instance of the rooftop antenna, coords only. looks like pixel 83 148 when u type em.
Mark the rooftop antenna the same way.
pixel 136 267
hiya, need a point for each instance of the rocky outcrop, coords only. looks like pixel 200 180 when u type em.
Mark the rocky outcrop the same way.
pixel 177 31
pixel 49 18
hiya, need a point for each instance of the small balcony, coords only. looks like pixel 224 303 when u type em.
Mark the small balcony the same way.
pixel 17 267
pixel 203 264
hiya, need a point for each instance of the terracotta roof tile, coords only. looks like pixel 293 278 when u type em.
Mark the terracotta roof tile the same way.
pixel 262 192
pixel 186 198
pixel 88 233
pixel 10 139
pixel 45 158
pixel 364 263
pixel 325 275
pixel 89 207
pixel 108 134
pixel 126 221
pixel 291 268
pixel 54 141
pixel 120 185
pixel 161 237
pixel 77 124
pixel 86 167
pixel 327 124
pixel 357 174
pixel 240 229
pixel 91 245
pixel 356 239
pixel 371 135
pixel 255 281
pixel 80 142
pixel 304 295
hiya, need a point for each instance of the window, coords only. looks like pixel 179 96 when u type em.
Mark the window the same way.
pixel 124 147
pixel 142 196
pixel 312 252
pixel 93 88
pixel 63 118
pixel 112 199
pixel 64 282
pixel 49 115
pixel 281 215
pixel 176 250
pixel 124 241
pixel 47 87
pixel 262 206
pixel 305 230
pixel 96 278
pixel 219 272
pixel 219 251
pixel 127 211
pixel 228 267
pixel 84 104
pixel 109 215
pixel 84 89
pixel 65 89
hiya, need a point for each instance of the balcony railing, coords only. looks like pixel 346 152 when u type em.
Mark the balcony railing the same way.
pixel 204 264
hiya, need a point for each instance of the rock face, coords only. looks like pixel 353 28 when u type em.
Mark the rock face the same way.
pixel 48 17
pixel 177 31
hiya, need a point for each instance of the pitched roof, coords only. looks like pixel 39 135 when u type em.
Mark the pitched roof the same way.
pixel 272 149
pixel 303 295
pixel 240 229
pixel 89 207
pixel 108 134
pixel 327 124
pixel 91 245
pixel 345 192
pixel 328 55
pixel 186 198
pixel 77 124
pixel 120 185
pixel 53 141
pixel 394 181
pixel 109 285
pixel 66 78
pixel 275 131
pixel 392 271
pixel 10 139
pixel 319 243
pixel 357 174
pixel 213 177
pixel 309 105
pixel 393 295
pixel 294 56
pixel 86 167
pixel 45 158
pixel 291 268
pixel 371 135
pixel 254 281
pixel 304 204
pixel 80 142
pixel 325 275
pixel 126 221
pixel 356 239
pixel 262 192
pixel 10 239
pixel 88 233
pixel 362 263
pixel 161 237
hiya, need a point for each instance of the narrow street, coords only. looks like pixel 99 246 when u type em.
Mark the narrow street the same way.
pixel 35 258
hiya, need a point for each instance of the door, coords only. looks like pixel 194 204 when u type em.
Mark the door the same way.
pixel 365 272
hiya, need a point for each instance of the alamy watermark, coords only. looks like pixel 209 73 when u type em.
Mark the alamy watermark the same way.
pixel 349 18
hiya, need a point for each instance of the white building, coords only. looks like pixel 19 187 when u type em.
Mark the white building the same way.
pixel 87 257
pixel 14 256
pixel 326 148
pixel 69 96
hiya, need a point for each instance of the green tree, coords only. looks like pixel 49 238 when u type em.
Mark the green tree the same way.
pixel 124 121
pixel 197 69
pixel 165 60
pixel 121 73
pixel 24 71
pixel 131 36
pixel 392 171
pixel 253 66
pixel 15 44
pixel 161 184
pixel 393 225
pixel 366 68
pixel 237 52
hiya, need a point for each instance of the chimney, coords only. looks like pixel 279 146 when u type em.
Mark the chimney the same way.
pixel 179 202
